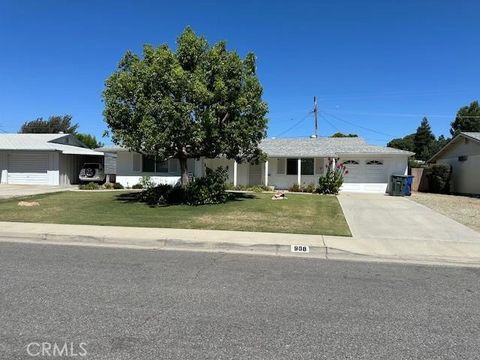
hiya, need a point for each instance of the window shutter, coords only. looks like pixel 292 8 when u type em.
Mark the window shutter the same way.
pixel 137 159
pixel 173 165
pixel 318 165
pixel 281 166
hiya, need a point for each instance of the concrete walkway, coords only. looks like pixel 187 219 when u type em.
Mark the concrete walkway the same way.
pixel 324 247
pixel 8 191
pixel 383 217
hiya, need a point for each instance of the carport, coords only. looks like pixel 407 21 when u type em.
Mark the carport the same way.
pixel 43 159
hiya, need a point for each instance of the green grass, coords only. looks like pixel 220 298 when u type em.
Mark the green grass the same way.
pixel 301 214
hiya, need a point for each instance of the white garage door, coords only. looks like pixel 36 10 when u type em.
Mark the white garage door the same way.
pixel 365 175
pixel 28 168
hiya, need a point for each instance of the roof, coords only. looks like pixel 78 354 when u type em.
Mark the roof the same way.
pixel 468 135
pixel 311 147
pixel 45 142
pixel 324 147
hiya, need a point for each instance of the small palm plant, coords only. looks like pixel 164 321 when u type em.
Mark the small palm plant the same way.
pixel 332 181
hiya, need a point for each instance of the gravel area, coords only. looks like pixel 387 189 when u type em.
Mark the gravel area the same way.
pixel 465 210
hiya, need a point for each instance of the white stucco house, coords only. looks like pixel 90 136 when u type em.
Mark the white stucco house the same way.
pixel 462 153
pixel 290 161
pixel 43 159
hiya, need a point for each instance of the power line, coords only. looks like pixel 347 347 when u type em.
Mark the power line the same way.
pixel 359 126
pixel 294 125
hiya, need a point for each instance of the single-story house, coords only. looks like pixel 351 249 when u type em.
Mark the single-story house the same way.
pixel 43 159
pixel 462 153
pixel 289 161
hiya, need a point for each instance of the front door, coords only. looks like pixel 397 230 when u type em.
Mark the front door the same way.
pixel 255 174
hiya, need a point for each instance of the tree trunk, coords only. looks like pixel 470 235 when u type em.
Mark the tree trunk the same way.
pixel 183 172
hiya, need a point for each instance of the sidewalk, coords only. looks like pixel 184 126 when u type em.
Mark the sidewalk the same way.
pixel 324 247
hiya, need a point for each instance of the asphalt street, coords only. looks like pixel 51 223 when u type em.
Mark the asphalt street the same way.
pixel 141 304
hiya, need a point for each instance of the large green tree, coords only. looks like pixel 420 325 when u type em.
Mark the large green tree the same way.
pixel 423 140
pixel 89 140
pixel 54 124
pixel 405 143
pixel 198 100
pixel 467 119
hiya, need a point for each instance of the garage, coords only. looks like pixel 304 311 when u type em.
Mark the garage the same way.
pixel 27 168
pixel 42 159
pixel 366 175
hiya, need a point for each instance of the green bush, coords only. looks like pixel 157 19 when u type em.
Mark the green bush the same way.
pixel 295 188
pixel 439 178
pixel 332 181
pixel 108 186
pixel 137 186
pixel 310 188
pixel 156 195
pixel 90 186
pixel 146 182
pixel 117 186
pixel 209 189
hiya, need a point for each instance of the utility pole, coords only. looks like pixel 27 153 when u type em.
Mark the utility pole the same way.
pixel 315 113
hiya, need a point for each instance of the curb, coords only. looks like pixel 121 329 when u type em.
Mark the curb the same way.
pixel 316 252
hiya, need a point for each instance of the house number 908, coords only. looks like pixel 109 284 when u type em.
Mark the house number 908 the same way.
pixel 300 248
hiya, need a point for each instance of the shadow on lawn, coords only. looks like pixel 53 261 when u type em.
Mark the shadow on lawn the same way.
pixel 136 197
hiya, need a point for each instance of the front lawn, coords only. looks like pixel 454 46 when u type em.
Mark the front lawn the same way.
pixel 302 214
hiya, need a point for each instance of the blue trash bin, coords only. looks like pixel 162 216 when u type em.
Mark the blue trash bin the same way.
pixel 407 188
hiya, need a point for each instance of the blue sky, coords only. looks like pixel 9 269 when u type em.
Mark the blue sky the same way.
pixel 376 66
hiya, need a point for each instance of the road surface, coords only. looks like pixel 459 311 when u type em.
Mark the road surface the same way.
pixel 140 304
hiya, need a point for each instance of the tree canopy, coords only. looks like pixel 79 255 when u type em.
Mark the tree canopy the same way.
pixel 53 125
pixel 467 119
pixel 199 100
pixel 423 142
pixel 342 135
pixel 89 140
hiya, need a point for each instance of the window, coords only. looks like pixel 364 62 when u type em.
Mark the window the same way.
pixel 351 162
pixel 307 166
pixel 463 158
pixel 292 166
pixel 374 162
pixel 152 164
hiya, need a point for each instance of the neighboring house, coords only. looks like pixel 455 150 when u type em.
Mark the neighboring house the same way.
pixel 290 161
pixel 462 153
pixel 43 159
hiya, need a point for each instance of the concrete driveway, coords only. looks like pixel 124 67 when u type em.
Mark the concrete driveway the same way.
pixel 383 217
pixel 8 191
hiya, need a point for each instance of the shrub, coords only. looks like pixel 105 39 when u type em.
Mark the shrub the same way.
pixel 137 186
pixel 209 189
pixel 90 186
pixel 310 188
pixel 117 186
pixel 332 181
pixel 146 182
pixel 439 178
pixel 295 188
pixel 156 195
pixel 108 186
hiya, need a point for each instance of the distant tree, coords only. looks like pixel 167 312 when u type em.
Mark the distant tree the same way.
pixel 467 119
pixel 342 135
pixel 405 143
pixel 199 100
pixel 423 141
pixel 53 125
pixel 89 140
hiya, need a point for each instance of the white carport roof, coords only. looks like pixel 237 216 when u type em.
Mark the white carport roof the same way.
pixel 64 143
